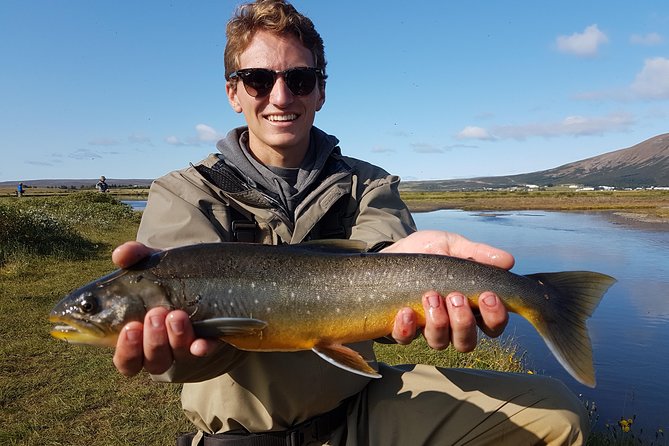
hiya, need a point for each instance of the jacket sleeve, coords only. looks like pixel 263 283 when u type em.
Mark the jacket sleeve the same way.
pixel 382 218
pixel 181 211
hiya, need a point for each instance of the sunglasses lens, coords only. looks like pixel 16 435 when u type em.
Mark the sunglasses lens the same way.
pixel 301 81
pixel 257 82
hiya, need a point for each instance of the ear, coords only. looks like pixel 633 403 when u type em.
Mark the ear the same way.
pixel 321 98
pixel 231 91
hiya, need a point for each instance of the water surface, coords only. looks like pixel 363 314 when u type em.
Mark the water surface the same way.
pixel 629 329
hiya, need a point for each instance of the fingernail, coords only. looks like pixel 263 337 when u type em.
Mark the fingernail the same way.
pixel 434 300
pixel 406 317
pixel 156 321
pixel 133 336
pixel 457 300
pixel 177 326
pixel 490 300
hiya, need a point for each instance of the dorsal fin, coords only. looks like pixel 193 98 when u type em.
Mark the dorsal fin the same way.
pixel 332 245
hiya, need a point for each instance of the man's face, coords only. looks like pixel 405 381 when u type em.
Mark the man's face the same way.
pixel 279 123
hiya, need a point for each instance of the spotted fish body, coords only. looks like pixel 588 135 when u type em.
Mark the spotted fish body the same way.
pixel 302 297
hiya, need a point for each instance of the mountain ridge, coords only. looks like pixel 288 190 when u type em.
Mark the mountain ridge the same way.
pixel 645 164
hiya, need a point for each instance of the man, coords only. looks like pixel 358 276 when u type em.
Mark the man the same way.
pixel 101 185
pixel 282 180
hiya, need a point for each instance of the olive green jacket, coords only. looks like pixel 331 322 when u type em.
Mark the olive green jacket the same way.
pixel 266 391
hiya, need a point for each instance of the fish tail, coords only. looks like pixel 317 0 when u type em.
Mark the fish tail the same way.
pixel 574 296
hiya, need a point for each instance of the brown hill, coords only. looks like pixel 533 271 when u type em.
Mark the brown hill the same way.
pixel 643 165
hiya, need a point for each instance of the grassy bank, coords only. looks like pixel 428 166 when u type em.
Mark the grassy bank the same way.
pixel 53 393
pixel 650 204
pixel 32 191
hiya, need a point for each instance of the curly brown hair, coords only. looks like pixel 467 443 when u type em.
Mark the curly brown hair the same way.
pixel 276 16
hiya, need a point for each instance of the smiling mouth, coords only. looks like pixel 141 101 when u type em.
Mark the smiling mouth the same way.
pixel 282 118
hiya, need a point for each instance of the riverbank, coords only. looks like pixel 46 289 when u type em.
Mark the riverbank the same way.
pixel 643 209
pixel 57 393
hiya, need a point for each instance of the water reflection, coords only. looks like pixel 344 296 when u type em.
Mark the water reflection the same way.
pixel 136 205
pixel 629 329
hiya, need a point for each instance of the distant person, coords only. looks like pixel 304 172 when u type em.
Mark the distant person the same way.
pixel 102 185
pixel 19 190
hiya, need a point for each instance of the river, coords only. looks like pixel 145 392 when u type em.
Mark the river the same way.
pixel 630 328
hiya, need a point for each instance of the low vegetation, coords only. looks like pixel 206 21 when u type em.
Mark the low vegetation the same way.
pixel 52 393
pixel 643 203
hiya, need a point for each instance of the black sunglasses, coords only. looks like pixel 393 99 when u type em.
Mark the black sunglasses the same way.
pixel 258 82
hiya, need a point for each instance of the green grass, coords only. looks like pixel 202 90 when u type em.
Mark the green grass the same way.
pixel 53 393
pixel 490 354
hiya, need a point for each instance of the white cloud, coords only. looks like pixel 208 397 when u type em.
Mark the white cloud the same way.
pixel 81 154
pixel 585 44
pixel 473 132
pixel 206 133
pixel 173 140
pixel 652 82
pixel 104 142
pixel 382 149
pixel 569 126
pixel 424 147
pixel 139 139
pixel 575 125
pixel 646 39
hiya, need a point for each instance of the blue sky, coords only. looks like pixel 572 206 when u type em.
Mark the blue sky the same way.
pixel 426 89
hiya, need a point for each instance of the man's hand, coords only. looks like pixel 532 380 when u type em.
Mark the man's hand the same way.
pixel 450 320
pixel 164 337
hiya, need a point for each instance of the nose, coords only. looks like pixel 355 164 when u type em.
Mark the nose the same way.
pixel 281 94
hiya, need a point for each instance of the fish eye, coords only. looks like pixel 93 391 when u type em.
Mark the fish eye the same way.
pixel 88 304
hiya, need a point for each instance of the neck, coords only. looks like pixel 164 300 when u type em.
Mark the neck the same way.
pixel 286 157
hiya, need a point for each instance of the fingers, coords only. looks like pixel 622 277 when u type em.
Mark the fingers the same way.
pixel 164 337
pixel 437 324
pixel 130 253
pixel 451 244
pixel 128 357
pixel 158 355
pixel 479 252
pixel 404 328
pixel 451 320
pixel 494 315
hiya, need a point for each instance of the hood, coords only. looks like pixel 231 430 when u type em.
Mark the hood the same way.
pixel 234 150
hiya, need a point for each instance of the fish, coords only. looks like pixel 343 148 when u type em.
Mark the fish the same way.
pixel 321 296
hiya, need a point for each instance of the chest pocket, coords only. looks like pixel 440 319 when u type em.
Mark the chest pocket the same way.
pixel 337 221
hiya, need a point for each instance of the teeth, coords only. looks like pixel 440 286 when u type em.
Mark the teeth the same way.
pixel 290 117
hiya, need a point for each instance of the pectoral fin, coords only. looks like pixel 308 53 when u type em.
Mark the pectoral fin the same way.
pixel 345 358
pixel 228 326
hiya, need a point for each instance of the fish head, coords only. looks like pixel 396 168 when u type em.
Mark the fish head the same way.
pixel 95 313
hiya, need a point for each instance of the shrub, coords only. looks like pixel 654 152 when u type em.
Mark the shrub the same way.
pixel 31 232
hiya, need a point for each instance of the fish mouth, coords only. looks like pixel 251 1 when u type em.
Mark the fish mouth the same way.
pixel 81 332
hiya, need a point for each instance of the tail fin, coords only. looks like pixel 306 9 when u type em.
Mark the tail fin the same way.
pixel 577 295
